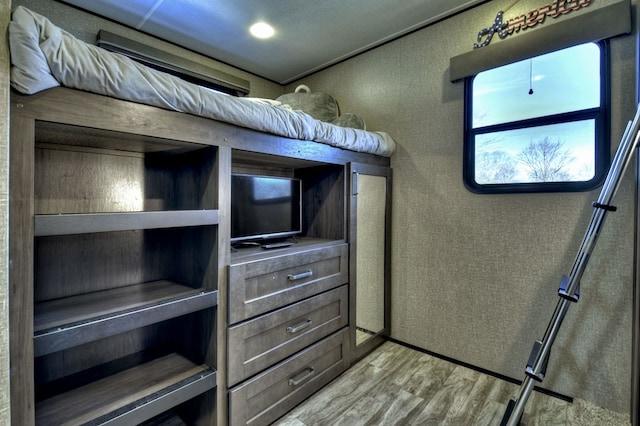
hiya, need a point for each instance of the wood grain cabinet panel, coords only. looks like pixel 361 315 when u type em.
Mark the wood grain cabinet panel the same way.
pixel 259 343
pixel 269 395
pixel 262 285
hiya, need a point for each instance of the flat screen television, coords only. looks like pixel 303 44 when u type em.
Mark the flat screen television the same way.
pixel 265 207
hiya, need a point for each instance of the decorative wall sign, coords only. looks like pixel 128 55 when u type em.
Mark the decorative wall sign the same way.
pixel 527 20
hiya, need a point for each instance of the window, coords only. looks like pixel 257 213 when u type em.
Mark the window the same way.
pixel 539 125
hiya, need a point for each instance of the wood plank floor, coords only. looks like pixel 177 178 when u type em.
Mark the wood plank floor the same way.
pixel 396 385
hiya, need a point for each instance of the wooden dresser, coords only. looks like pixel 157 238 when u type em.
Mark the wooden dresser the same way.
pixel 280 304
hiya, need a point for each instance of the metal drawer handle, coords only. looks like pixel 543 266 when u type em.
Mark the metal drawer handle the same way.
pixel 300 276
pixel 294 329
pixel 302 376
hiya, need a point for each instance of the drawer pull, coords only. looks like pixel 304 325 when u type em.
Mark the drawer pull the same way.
pixel 300 276
pixel 296 328
pixel 302 376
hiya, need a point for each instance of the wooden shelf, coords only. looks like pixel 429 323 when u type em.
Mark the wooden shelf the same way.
pixel 70 321
pixel 84 223
pixel 67 137
pixel 165 419
pixel 129 397
pixel 244 253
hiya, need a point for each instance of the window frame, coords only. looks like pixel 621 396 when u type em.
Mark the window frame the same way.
pixel 601 116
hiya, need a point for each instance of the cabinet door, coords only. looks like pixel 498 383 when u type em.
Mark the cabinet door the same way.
pixel 369 254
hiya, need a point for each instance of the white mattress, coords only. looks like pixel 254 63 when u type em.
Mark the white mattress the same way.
pixel 44 56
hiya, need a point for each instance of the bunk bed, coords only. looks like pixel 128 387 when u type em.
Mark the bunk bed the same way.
pixel 45 56
pixel 122 278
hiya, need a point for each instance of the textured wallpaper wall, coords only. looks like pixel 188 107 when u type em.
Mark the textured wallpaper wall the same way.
pixel 5 6
pixel 475 277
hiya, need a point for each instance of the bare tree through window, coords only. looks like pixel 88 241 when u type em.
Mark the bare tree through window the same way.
pixel 495 167
pixel 546 160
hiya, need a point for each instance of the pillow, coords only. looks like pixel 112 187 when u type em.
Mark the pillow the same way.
pixel 30 72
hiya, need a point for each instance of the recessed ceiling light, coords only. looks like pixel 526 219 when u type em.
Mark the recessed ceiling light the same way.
pixel 262 30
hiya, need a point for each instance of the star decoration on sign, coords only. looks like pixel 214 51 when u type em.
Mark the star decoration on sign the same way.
pixel 497 27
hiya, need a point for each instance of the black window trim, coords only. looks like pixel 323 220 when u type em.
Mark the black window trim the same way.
pixel 601 116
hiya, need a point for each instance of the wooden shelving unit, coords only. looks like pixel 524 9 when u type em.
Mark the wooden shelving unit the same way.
pixel 116 253
pixel 123 286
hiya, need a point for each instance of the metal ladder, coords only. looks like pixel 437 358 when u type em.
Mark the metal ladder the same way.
pixel 570 284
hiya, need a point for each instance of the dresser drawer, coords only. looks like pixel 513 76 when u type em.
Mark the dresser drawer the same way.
pixel 273 393
pixel 266 284
pixel 261 342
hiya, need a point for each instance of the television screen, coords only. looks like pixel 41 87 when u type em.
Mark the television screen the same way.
pixel 265 207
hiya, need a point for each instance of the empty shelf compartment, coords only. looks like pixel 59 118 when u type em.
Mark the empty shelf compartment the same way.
pixel 63 323
pixel 129 397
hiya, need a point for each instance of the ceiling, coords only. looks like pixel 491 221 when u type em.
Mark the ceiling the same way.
pixel 309 34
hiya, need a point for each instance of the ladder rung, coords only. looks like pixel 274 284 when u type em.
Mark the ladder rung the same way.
pixel 536 375
pixel 606 207
pixel 562 292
